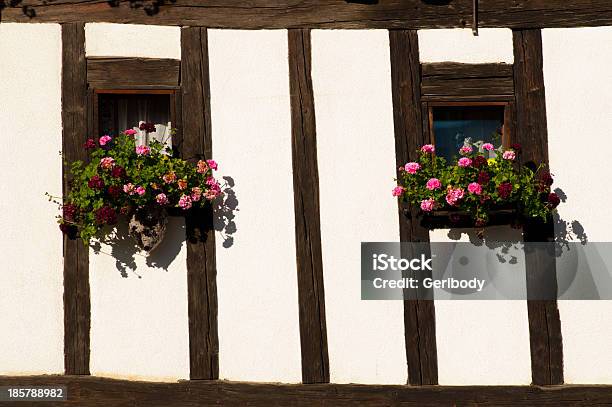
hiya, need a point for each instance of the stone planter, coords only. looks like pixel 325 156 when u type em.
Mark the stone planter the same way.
pixel 148 227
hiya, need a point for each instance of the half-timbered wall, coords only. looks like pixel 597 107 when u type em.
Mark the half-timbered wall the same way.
pixel 579 109
pixel 140 318
pixel 31 306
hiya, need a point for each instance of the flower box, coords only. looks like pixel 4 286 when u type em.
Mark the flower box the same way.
pixel 446 219
pixel 475 191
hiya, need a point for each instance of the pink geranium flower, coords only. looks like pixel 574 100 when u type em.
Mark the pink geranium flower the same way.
pixel 128 188
pixel 104 139
pixel 397 191
pixel 202 167
pixel 464 162
pixel 433 183
pixel 140 190
pixel 488 147
pixel 475 188
pixel 428 148
pixel 161 199
pixel 465 150
pixel 185 202
pixel 427 205
pixel 412 168
pixel 107 163
pixel 509 155
pixel 130 132
pixel 454 195
pixel 212 164
pixel 196 194
pixel 143 150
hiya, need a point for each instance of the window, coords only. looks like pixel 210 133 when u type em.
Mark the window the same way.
pixel 453 124
pixel 121 109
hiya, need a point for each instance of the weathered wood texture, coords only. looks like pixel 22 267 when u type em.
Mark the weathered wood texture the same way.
pixel 419 315
pixel 257 14
pixel 201 262
pixel 544 323
pixel 313 331
pixel 86 391
pixel 76 254
pixel 464 82
pixel 108 73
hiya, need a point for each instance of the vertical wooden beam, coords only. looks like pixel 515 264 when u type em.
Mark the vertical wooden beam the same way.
pixel 544 323
pixel 419 315
pixel 76 254
pixel 313 331
pixel 201 262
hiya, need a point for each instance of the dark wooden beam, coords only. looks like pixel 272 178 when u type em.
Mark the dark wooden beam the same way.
pixel 313 331
pixel 260 14
pixel 463 82
pixel 76 254
pixel 201 261
pixel 419 315
pixel 109 73
pixel 84 391
pixel 531 131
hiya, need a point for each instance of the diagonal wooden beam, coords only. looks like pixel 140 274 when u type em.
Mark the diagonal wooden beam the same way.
pixel 76 254
pixel 313 331
pixel 201 260
pixel 419 315
pixel 544 322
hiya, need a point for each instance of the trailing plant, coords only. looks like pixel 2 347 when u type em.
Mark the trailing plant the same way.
pixel 122 178
pixel 481 180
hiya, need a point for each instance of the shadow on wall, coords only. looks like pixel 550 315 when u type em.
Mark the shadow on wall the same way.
pixel 583 269
pixel 224 213
pixel 125 252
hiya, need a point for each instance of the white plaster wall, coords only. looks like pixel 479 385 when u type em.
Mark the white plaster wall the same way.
pixel 139 322
pixel 31 307
pixel 578 84
pixel 356 155
pixel 483 342
pixel 460 45
pixel 256 275
pixel 131 40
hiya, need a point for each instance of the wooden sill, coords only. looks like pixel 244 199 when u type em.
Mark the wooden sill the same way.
pixel 445 219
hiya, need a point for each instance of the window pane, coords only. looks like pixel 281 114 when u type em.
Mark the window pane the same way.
pixel 118 112
pixel 453 125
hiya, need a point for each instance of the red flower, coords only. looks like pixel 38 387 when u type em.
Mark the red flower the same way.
pixel 546 178
pixel 89 144
pixel 69 212
pixel 504 189
pixel 479 161
pixel 553 200
pixel 148 127
pixel 96 182
pixel 483 178
pixel 118 172
pixel 107 215
pixel 114 191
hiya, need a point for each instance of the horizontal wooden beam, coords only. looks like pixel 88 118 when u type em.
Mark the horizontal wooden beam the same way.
pixel 258 14
pixel 87 391
pixel 455 82
pixel 109 73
